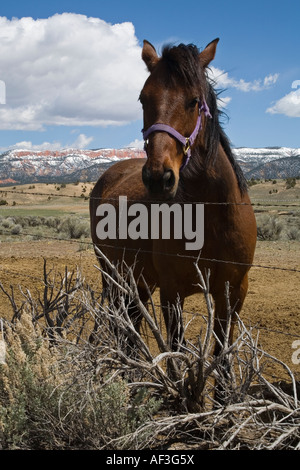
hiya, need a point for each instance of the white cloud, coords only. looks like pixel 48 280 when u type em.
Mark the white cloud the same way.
pixel 270 80
pixel 28 145
pixel 138 144
pixel 82 142
pixel 69 70
pixel 223 80
pixel 223 102
pixel 288 105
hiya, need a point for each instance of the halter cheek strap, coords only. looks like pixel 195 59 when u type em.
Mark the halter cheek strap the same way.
pixel 187 142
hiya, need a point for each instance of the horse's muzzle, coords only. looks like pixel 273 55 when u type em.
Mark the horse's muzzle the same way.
pixel 160 184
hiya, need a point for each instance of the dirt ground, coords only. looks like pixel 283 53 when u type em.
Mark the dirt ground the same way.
pixel 272 304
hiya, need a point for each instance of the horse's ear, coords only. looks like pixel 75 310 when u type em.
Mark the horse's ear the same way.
pixel 208 54
pixel 149 55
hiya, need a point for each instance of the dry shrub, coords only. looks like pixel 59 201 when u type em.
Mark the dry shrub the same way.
pixel 272 227
pixel 58 390
pixel 51 396
pixel 269 227
pixel 74 228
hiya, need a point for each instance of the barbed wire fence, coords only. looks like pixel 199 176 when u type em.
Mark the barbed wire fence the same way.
pixel 284 430
pixel 290 203
pixel 256 201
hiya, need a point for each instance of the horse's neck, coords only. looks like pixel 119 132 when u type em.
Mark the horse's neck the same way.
pixel 217 182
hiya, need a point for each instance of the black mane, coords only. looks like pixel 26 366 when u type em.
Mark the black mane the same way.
pixel 215 135
pixel 182 63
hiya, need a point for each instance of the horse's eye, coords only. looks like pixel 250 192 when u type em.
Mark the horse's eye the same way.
pixel 193 103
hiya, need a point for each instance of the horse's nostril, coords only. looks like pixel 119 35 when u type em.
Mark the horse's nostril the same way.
pixel 158 182
pixel 168 179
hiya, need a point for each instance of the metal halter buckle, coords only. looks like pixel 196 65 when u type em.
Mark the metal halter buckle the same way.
pixel 187 146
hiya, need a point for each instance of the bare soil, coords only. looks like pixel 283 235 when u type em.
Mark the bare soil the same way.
pixel 272 304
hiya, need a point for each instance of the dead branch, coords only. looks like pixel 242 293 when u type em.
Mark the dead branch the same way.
pixel 252 417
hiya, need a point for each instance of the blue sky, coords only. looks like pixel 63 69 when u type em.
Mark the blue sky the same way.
pixel 74 80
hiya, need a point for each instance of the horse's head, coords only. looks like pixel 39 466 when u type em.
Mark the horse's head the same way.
pixel 173 99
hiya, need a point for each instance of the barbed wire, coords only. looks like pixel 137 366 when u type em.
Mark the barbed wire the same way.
pixel 184 311
pixel 255 202
pixel 139 250
pixel 266 202
pixel 280 203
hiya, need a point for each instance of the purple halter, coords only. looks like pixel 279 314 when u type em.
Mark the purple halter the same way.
pixel 186 142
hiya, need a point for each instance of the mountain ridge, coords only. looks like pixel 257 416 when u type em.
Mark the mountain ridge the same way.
pixel 21 166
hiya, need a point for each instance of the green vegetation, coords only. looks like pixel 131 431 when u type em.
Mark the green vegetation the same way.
pixel 275 227
pixel 51 396
pixel 39 227
pixel 290 183
pixel 61 210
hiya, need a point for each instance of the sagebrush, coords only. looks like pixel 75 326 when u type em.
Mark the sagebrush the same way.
pixel 60 390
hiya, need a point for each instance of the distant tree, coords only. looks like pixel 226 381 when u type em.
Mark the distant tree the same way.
pixel 252 181
pixel 290 183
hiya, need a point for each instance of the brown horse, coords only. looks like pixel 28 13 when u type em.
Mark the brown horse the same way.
pixel 189 161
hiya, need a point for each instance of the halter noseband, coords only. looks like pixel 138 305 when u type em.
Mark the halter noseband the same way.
pixel 186 142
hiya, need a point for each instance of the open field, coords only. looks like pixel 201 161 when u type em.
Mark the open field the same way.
pixel 46 199
pixel 273 301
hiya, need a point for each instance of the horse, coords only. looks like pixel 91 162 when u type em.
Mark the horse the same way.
pixel 188 161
